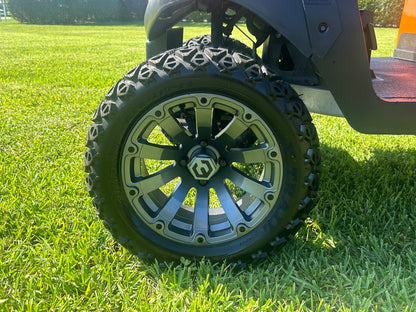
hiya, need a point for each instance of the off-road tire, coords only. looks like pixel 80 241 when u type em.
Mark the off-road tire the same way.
pixel 116 158
pixel 233 45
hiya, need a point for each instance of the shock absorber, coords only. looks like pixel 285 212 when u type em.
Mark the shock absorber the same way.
pixel 217 18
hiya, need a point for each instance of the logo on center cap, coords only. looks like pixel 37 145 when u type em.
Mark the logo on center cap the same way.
pixel 202 167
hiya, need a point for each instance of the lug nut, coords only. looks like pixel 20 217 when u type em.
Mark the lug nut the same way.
pixel 223 162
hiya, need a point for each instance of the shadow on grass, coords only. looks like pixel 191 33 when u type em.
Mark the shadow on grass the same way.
pixel 365 214
pixel 357 250
pixel 372 197
pixel 361 200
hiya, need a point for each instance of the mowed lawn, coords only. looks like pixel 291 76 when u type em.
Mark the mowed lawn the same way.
pixel 357 251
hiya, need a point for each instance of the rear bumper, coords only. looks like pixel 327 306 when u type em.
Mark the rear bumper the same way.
pixel 406 48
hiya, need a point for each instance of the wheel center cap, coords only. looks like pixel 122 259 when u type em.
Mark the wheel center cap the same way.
pixel 203 164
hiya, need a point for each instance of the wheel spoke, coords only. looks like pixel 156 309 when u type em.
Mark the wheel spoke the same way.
pixel 157 180
pixel 158 152
pixel 251 186
pixel 234 129
pixel 174 202
pixel 204 122
pixel 173 130
pixel 201 211
pixel 230 208
pixel 248 155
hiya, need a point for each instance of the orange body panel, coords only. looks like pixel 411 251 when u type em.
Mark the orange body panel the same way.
pixel 408 21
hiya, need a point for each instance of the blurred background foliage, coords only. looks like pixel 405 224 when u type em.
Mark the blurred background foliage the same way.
pixel 76 11
pixel 387 12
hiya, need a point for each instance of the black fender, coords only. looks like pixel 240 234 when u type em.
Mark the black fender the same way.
pixel 163 14
pixel 310 25
pixel 330 34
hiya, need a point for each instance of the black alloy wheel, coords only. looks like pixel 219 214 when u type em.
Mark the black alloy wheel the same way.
pixel 198 153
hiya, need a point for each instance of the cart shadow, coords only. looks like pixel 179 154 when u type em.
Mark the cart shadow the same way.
pixel 365 195
pixel 361 204
pixel 365 213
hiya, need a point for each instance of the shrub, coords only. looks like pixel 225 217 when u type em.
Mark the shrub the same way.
pixel 76 11
pixel 198 17
pixel 386 12
pixel 132 10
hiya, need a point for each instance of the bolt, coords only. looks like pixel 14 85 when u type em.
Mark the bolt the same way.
pixel 183 162
pixel 223 162
pixel 323 27
pixel 200 239
pixel 241 228
pixel 203 182
pixel 203 143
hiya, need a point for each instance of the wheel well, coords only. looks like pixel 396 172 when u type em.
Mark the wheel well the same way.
pixel 279 53
pixel 284 52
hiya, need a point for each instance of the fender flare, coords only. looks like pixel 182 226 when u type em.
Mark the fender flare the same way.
pixel 311 25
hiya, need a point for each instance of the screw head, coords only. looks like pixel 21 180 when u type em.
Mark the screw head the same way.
pixel 200 239
pixel 159 226
pixel 323 27
pixel 242 229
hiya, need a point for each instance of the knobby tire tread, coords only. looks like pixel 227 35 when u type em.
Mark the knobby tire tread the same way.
pixel 216 61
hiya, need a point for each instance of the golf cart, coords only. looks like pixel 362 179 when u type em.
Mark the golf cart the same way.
pixel 207 149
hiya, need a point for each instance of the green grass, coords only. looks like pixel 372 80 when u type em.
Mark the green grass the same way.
pixel 356 253
pixel 386 41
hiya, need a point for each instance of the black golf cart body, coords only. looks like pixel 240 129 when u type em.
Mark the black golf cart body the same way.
pixel 328 43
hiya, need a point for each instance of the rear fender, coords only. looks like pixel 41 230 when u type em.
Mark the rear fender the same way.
pixel 163 14
pixel 311 26
pixel 330 34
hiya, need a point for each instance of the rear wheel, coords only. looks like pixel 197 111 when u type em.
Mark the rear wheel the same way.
pixel 195 153
pixel 233 45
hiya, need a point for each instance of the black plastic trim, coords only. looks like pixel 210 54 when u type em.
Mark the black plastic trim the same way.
pixel 346 72
pixel 163 14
